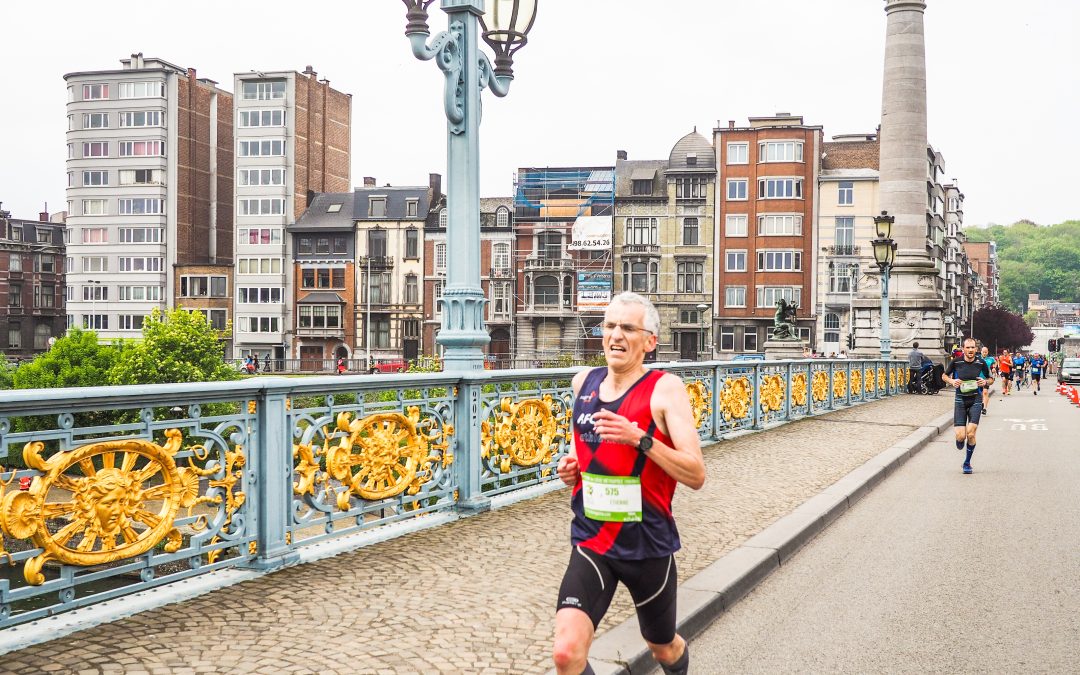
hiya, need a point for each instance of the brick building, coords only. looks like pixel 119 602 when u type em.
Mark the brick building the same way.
pixel 31 284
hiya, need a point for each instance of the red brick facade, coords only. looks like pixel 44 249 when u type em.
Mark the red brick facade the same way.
pixel 323 139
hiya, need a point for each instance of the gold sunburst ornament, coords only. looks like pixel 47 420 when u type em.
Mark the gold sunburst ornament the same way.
pixel 869 380
pixel 881 378
pixel 527 433
pixel 892 378
pixel 819 385
pixel 839 388
pixel 735 398
pixel 772 392
pixel 798 389
pixel 700 401
pixel 856 383
pixel 123 504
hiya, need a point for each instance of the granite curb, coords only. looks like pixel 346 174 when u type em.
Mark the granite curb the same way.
pixel 708 594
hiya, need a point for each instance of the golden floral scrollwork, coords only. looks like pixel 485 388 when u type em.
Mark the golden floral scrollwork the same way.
pixel 772 392
pixel 881 378
pixel 869 380
pixel 856 382
pixel 700 401
pixel 735 398
pixel 892 377
pixel 391 453
pixel 819 385
pixel 839 388
pixel 234 474
pixel 112 511
pixel 798 389
pixel 527 433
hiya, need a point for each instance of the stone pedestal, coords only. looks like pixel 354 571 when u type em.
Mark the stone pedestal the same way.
pixel 915 314
pixel 776 350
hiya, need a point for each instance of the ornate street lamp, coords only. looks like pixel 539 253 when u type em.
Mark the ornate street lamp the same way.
pixel 884 255
pixel 506 24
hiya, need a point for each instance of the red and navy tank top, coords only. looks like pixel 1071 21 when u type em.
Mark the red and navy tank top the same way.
pixel 656 535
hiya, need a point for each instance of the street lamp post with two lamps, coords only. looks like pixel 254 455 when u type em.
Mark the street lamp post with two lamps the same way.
pixel 884 255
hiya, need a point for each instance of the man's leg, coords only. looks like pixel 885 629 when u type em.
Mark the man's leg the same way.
pixel 673 657
pixel 573 636
pixel 974 412
pixel 587 588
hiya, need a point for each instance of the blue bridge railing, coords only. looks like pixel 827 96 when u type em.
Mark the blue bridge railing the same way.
pixel 112 490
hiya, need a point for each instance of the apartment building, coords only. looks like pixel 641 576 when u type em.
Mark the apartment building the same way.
pixel 292 141
pixel 765 215
pixel 32 287
pixel 663 240
pixel 497 276
pixel 982 255
pixel 149 175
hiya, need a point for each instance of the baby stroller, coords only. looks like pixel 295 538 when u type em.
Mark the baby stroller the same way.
pixel 927 381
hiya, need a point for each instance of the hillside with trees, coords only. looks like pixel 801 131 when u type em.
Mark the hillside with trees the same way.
pixel 1035 259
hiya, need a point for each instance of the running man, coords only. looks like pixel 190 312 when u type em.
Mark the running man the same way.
pixel 991 365
pixel 1038 367
pixel 1019 369
pixel 634 440
pixel 968 375
pixel 1005 368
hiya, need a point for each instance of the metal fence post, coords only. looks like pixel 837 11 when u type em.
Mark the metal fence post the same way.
pixel 755 398
pixel 467 441
pixel 272 476
pixel 716 412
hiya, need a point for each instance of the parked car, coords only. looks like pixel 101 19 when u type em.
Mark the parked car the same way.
pixel 748 357
pixel 1069 372
pixel 389 366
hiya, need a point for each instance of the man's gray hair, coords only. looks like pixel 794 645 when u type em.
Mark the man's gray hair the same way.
pixel 652 317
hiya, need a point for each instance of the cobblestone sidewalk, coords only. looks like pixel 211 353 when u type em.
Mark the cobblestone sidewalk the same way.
pixel 476 595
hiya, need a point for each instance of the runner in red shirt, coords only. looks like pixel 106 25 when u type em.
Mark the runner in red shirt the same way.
pixel 1005 367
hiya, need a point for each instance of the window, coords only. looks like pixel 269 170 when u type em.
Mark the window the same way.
pixel 142 235
pixel 500 256
pixel 259 266
pixel 738 153
pixel 412 292
pixel 341 245
pixel 150 89
pixel 15 295
pixel 319 316
pixel 410 208
pixel 380 325
pixel 779 261
pixel 267 177
pixel 846 196
pixel 546 291
pixel 502 217
pixel 379 287
pixel 95 292
pixel 641 231
pixel 768 295
pixel 42 333
pixel 780 188
pixel 142 149
pixel 376 243
pixel 550 245
pixel 14 336
pixel 845 235
pixel 139 293
pixel 780 225
pixel 95 92
pixel 735 296
pixel 218 318
pixel 262 147
pixel 261 207
pixel 95 321
pixel 259 295
pixel 641 187
pixel 16 233
pixel 412 243
pixel 71 179
pixel 727 338
pixel 843 277
pixel 71 151
pixel 440 257
pixel 95 178
pixel 735 261
pixel 140 118
pixel 71 122
pixel 130 322
pixel 71 93
pixel 736 189
pixel 45 263
pixel 267 90
pixel 259 235
pixel 142 206
pixel 95 235
pixel 437 289
pixel 262 118
pixel 95 207
pixel 500 299
pixel 689 277
pixel 735 226
pixel 203 286
pixel 780 151
pixel 259 324
pixel 640 276
pixel 44 235
pixel 322 277
pixel 691 187
pixel 141 264
pixel 15 262
pixel 142 176
pixel 377 207
pixel 303 245
pixel 96 120
pixel 95 149
pixel 443 217
pixel 690 231
pixel 749 339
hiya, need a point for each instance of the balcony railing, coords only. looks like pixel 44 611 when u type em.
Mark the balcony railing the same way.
pixel 500 273
pixel 378 262
pixel 108 491
pixel 843 249
pixel 549 264
pixel 641 249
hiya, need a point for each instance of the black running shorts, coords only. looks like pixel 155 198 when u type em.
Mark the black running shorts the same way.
pixel 590 581
pixel 967 411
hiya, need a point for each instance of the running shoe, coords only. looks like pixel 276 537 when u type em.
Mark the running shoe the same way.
pixel 967 468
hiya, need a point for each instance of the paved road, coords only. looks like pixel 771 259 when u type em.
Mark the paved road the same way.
pixel 473 596
pixel 933 571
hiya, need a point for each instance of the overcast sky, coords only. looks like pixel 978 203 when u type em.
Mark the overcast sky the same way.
pixel 597 76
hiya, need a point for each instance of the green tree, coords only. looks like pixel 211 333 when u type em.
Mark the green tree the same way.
pixel 180 346
pixel 7 373
pixel 1035 259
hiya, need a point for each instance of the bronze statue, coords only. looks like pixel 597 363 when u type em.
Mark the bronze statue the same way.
pixel 784 321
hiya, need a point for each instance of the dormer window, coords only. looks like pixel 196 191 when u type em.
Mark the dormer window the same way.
pixel 410 208
pixel 642 187
pixel 377 207
pixel 443 218
pixel 502 217
pixel 691 159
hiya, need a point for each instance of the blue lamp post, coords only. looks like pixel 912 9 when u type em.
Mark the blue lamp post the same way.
pixel 505 26
pixel 884 256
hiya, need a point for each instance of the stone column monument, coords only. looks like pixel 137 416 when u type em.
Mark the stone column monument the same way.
pixel 916 310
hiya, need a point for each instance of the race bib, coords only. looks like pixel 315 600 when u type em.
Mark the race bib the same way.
pixel 968 386
pixel 614 499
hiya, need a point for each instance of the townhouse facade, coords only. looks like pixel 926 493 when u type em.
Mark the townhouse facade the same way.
pixel 32 286
pixel 766 238
pixel 983 259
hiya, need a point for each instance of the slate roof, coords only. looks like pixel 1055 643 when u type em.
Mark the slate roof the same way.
pixel 626 169
pixel 695 143
pixel 318 216
pixel 396 197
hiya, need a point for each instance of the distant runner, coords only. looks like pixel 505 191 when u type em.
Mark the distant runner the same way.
pixel 991 365
pixel 968 375
pixel 1038 367
pixel 1005 368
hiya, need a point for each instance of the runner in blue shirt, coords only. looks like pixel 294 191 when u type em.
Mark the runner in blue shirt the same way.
pixel 1038 367
pixel 1019 369
pixel 991 365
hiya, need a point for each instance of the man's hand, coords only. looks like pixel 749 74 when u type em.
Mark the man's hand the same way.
pixel 568 470
pixel 955 384
pixel 614 428
pixel 981 382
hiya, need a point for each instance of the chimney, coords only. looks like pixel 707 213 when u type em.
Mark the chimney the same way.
pixel 620 154
pixel 43 216
pixel 191 74
pixel 731 124
pixel 435 186
pixel 369 181
pixel 310 72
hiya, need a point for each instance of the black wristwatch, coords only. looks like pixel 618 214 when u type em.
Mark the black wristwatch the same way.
pixel 644 444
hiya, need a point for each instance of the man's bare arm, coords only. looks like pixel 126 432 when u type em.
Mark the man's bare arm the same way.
pixel 671 407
